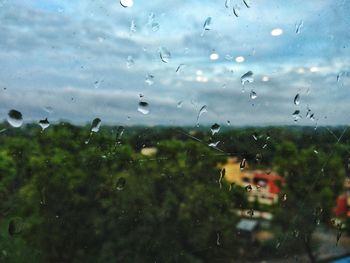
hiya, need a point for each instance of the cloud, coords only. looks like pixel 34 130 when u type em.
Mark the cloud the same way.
pixel 51 52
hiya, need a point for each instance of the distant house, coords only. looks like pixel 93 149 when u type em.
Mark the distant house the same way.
pixel 342 208
pixel 266 186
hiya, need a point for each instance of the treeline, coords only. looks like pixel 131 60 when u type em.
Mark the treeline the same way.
pixel 71 195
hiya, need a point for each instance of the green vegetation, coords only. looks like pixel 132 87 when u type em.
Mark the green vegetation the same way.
pixel 67 201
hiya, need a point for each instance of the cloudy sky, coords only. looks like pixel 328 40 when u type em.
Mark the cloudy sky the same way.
pixel 78 60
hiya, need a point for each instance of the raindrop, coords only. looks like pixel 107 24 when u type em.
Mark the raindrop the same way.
pixel 248 188
pixel 315 151
pixel 222 175
pixel 214 55
pixel 143 107
pixel 228 57
pixel 234 10
pixel 218 239
pixel 48 109
pixel 130 62
pixel 255 136
pixel 215 128
pixel 239 59
pixel 246 4
pixel 179 104
pixel 121 183
pixel 258 157
pixel 201 111
pixel 297 99
pixel 231 186
pixel 227 3
pixel 44 124
pixel 119 133
pixel 213 144
pixel 155 27
pixel 95 125
pixel 14 118
pixel 164 54
pixel 228 123
pixel 126 3
pixel 97 83
pixel 276 32
pixel 338 235
pixel 149 79
pixel 206 25
pixel 242 164
pixel 308 113
pixel 15 226
pixel 284 197
pixel 247 77
pixel 132 26
pixel 253 95
pixel 179 67
pixel 298 26
pixel 296 115
pixel 250 212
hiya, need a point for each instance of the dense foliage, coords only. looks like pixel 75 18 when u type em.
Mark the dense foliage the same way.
pixel 70 201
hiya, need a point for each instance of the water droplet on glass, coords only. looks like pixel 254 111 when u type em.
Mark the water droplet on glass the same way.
pixel 126 3
pixel 179 67
pixel 213 144
pixel 242 164
pixel 235 12
pixel 218 239
pixel 164 54
pixel 14 118
pixel 95 125
pixel 239 59
pixel 276 32
pixel 121 183
pixel 48 109
pixel 132 26
pixel 119 133
pixel 201 111
pixel 246 3
pixel 98 83
pixel 149 79
pixel 179 104
pixel 258 157
pixel 250 212
pixel 297 99
pixel 284 197
pixel 155 27
pixel 143 107
pixel 248 188
pixel 214 55
pixel 215 128
pixel 227 3
pixel 15 226
pixel 253 95
pixel 247 77
pixel 298 26
pixel 206 25
pixel 296 115
pixel 222 175
pixel 130 62
pixel 44 124
pixel 228 123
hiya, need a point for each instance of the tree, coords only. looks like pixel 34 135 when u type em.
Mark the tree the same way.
pixel 313 181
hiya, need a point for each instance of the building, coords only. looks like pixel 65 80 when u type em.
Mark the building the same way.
pixel 265 186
